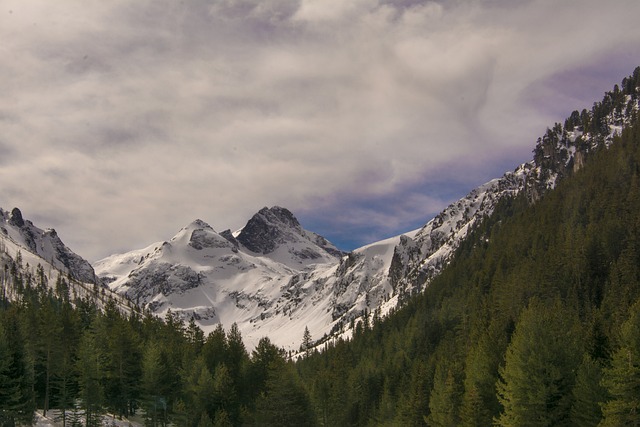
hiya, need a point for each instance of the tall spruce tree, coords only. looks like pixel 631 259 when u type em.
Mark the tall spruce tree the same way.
pixel 622 379
pixel 539 372
pixel 588 394
pixel 154 401
pixel 91 376
pixel 17 402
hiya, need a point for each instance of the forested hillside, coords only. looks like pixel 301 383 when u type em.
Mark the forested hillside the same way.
pixel 60 351
pixel 536 321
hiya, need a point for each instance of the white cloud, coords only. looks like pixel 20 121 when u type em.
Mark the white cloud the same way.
pixel 122 121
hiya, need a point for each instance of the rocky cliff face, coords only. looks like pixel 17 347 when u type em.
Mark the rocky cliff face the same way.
pixel 45 244
pixel 562 150
pixel 276 232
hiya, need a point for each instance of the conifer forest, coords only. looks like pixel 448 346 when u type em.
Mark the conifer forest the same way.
pixel 534 322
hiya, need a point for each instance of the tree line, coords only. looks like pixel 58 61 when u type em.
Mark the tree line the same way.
pixel 86 360
pixel 536 321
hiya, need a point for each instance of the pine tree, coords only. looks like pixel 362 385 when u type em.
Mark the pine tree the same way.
pixel 222 419
pixel 538 376
pixel 414 405
pixel 479 402
pixel 224 393
pixel 215 348
pixel 588 394
pixel 9 386
pixel 195 335
pixel 123 362
pixel 154 403
pixel 205 420
pixel 622 379
pixel 285 402
pixel 237 360
pixel 65 374
pixel 307 342
pixel 262 357
pixel 49 349
pixel 16 391
pixel 445 398
pixel 90 367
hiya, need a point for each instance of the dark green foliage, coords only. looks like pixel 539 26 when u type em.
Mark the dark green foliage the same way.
pixel 91 375
pixel 284 401
pixel 536 381
pixel 588 393
pixel 16 396
pixel 65 353
pixel 532 305
pixel 622 378
pixel 535 321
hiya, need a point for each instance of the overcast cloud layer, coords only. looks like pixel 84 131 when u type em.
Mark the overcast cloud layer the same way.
pixel 123 120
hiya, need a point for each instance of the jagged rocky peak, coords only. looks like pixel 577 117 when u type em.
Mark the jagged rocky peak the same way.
pixel 267 228
pixel 15 218
pixel 227 234
pixel 47 245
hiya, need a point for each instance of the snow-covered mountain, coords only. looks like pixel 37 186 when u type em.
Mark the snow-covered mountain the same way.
pixel 562 151
pixel 268 277
pixel 42 246
pixel 273 278
pixel 32 256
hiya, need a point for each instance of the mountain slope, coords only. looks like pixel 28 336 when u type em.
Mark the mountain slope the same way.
pixel 562 151
pixel 45 244
pixel 31 256
pixel 536 317
pixel 275 278
pixel 269 279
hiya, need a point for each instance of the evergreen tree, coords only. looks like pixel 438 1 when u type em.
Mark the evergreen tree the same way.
pixel 307 342
pixel 622 379
pixel 237 361
pixel 48 350
pixel 90 365
pixel 262 357
pixel 479 402
pixel 415 404
pixel 16 389
pixel 198 391
pixel 123 362
pixel 224 396
pixel 64 380
pixel 215 348
pixel 195 335
pixel 154 401
pixel 588 394
pixel 538 376
pixel 205 420
pixel 445 398
pixel 222 419
pixel 285 402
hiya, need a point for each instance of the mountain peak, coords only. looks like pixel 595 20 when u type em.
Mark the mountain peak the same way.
pixel 198 224
pixel 46 244
pixel 15 218
pixel 280 214
pixel 267 228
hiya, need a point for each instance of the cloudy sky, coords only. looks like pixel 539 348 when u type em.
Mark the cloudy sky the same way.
pixel 123 120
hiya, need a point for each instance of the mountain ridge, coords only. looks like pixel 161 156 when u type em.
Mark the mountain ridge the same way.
pixel 45 244
pixel 274 278
pixel 378 277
